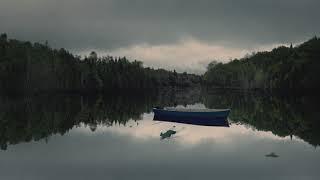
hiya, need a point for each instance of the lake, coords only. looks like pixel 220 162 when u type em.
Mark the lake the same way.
pixel 114 137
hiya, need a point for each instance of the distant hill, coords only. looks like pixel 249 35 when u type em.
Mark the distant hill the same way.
pixel 295 68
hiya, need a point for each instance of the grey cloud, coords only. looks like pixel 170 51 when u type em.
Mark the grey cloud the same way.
pixel 110 24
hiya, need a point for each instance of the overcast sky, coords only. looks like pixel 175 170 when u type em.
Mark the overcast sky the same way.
pixel 173 34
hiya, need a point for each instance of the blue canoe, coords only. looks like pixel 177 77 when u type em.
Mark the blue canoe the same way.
pixel 205 117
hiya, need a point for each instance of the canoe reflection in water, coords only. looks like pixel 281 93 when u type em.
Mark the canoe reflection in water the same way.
pixel 203 117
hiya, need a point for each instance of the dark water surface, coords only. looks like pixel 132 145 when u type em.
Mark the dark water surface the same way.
pixel 114 137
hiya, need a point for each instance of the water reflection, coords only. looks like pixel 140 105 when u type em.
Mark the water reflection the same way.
pixel 115 137
pixel 185 133
pixel 23 119
pixel 113 154
pixel 280 114
pixel 35 118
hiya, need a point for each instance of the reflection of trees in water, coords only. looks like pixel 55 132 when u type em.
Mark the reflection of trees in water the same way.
pixel 23 119
pixel 284 116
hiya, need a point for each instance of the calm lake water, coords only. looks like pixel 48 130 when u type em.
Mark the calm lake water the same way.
pixel 115 137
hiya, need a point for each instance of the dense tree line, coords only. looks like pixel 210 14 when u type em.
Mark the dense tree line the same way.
pixel 33 67
pixel 295 68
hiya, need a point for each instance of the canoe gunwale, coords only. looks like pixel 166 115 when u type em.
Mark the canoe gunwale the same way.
pixel 207 118
pixel 193 110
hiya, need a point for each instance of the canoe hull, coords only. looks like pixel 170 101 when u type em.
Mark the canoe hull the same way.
pixel 217 118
